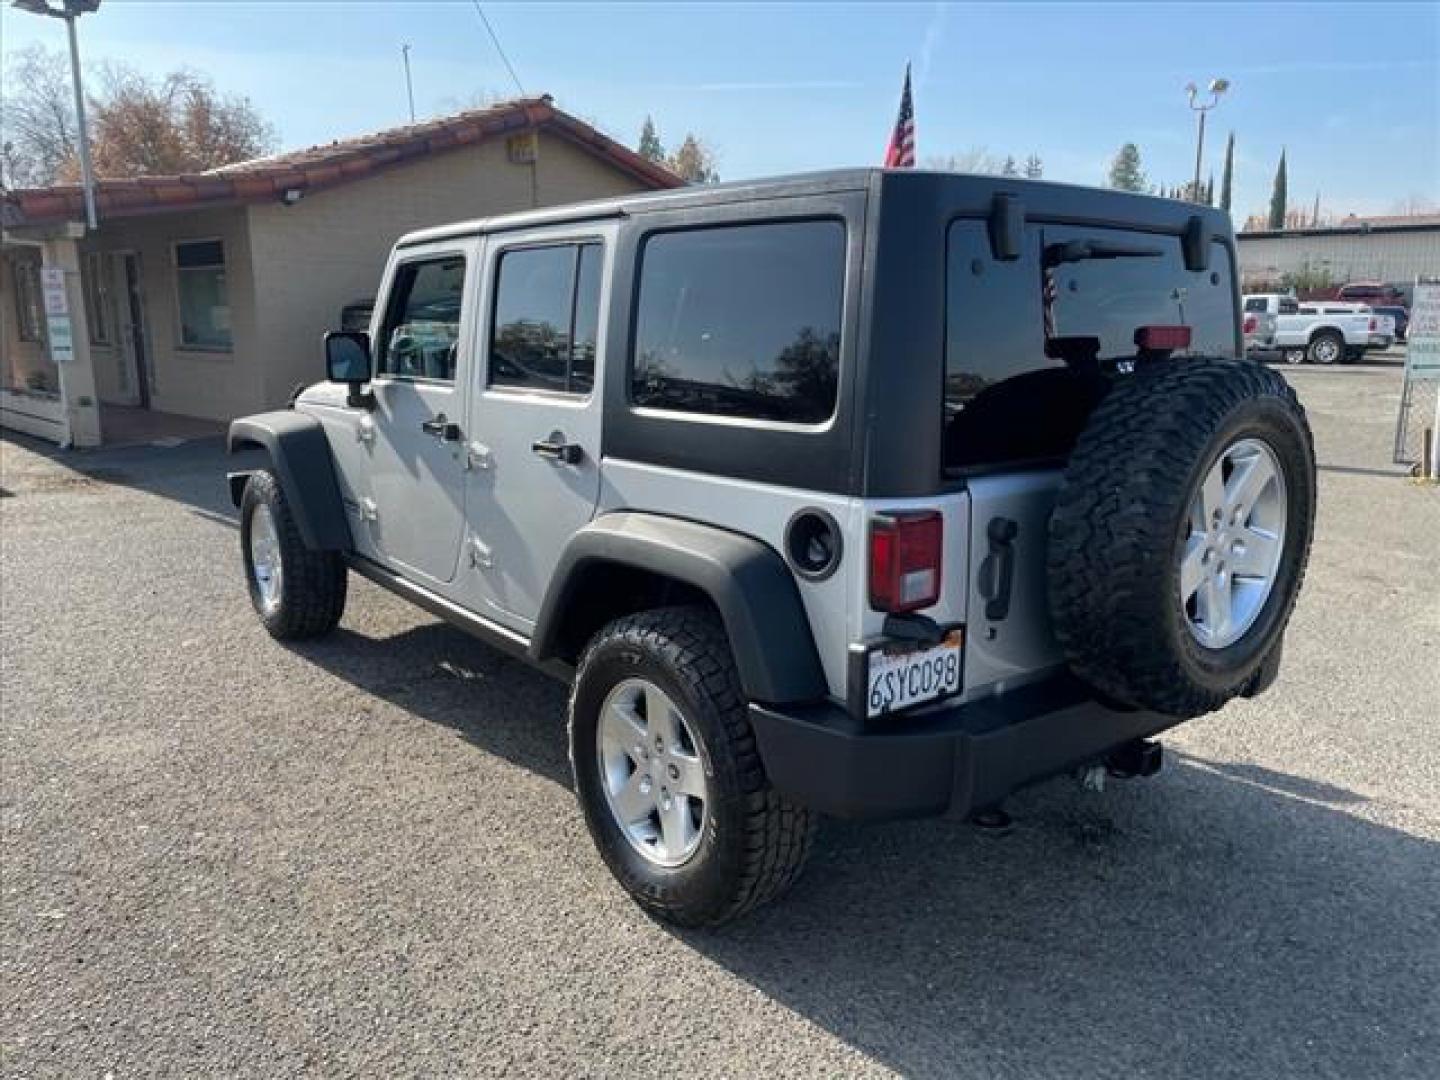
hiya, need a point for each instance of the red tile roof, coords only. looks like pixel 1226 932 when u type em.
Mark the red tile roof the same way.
pixel 326 166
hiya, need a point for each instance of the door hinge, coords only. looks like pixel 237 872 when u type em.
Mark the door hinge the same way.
pixel 369 509
pixel 480 557
pixel 477 456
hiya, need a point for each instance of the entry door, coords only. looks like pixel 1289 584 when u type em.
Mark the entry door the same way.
pixel 535 423
pixel 131 325
pixel 416 509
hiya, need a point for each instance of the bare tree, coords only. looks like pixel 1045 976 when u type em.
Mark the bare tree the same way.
pixel 139 126
pixel 178 124
pixel 37 124
pixel 694 162
pixel 976 159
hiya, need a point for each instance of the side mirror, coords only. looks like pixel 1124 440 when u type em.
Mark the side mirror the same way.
pixel 347 357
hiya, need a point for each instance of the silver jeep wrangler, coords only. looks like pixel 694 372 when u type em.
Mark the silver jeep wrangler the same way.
pixel 871 493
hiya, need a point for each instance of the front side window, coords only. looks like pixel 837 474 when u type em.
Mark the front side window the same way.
pixel 547 316
pixel 421 335
pixel 26 275
pixel 741 321
pixel 96 280
pixel 204 299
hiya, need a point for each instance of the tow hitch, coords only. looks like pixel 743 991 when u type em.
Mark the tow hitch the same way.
pixel 1143 757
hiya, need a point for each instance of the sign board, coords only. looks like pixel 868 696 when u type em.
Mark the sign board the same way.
pixel 1422 360
pixel 52 284
pixel 57 314
pixel 62 342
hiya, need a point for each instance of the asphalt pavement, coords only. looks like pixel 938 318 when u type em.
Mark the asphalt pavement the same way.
pixel 361 857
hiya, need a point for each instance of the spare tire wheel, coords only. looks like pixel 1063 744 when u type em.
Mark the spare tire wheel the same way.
pixel 1180 533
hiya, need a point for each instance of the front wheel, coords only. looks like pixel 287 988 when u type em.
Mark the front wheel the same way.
pixel 668 774
pixel 297 592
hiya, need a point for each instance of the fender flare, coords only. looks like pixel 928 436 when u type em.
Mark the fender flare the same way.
pixel 300 455
pixel 748 582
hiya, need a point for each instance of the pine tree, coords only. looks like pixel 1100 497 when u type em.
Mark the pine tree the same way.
pixel 1034 167
pixel 650 148
pixel 1210 190
pixel 1227 175
pixel 1278 196
pixel 1125 171
pixel 1009 168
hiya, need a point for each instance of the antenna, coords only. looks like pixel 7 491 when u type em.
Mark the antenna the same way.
pixel 409 86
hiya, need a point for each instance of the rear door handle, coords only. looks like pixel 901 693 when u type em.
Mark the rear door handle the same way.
pixel 441 428
pixel 557 449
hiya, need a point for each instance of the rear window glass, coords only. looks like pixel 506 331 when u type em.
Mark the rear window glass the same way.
pixel 1005 400
pixel 741 321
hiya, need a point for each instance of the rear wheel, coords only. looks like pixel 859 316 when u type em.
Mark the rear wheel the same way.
pixel 1181 532
pixel 298 593
pixel 1326 347
pixel 668 774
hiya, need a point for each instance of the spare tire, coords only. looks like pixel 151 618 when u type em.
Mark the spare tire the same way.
pixel 1180 533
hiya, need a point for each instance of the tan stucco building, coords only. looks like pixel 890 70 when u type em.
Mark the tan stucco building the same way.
pixel 206 296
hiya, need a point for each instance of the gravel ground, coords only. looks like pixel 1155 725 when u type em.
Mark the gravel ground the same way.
pixel 362 858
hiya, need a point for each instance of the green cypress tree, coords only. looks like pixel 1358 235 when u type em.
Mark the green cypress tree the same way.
pixel 1278 196
pixel 650 148
pixel 1227 175
pixel 1125 171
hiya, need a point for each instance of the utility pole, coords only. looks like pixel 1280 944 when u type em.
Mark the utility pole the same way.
pixel 1216 88
pixel 70 11
pixel 409 86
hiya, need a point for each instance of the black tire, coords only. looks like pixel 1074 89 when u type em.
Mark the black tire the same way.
pixel 755 841
pixel 1122 518
pixel 313 583
pixel 1326 347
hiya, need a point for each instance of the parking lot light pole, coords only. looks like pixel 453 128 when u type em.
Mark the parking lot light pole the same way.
pixel 1216 88
pixel 70 11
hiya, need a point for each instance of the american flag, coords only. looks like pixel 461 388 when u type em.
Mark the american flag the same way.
pixel 900 154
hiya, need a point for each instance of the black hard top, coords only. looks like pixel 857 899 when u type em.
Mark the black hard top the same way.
pixel 964 193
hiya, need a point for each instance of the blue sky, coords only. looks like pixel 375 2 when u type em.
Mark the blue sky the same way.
pixel 1351 90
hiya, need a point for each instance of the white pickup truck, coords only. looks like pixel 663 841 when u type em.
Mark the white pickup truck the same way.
pixel 1317 332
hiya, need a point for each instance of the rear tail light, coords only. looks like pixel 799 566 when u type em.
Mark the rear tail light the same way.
pixel 1251 324
pixel 905 556
pixel 1162 338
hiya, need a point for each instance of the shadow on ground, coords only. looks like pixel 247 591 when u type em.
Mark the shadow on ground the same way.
pixel 1223 919
pixel 192 473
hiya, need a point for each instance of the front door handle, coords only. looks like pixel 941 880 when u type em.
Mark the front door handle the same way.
pixel 557 449
pixel 441 428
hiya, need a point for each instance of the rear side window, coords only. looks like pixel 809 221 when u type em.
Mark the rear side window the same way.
pixel 1007 397
pixel 1289 307
pixel 741 321
pixel 547 312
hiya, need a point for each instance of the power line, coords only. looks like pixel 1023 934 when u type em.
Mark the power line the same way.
pixel 498 47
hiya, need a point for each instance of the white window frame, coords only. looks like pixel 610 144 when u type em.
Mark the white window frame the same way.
pixel 29 318
pixel 181 345
pixel 95 285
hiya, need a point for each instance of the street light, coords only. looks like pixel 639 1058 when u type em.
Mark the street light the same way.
pixel 70 10
pixel 1216 88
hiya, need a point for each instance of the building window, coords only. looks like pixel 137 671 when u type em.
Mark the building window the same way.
pixel 741 321
pixel 96 279
pixel 547 314
pixel 29 308
pixel 421 336
pixel 202 294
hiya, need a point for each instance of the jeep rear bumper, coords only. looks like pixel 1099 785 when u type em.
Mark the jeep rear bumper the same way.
pixel 946 760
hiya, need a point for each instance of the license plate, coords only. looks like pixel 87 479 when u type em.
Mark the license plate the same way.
pixel 900 679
